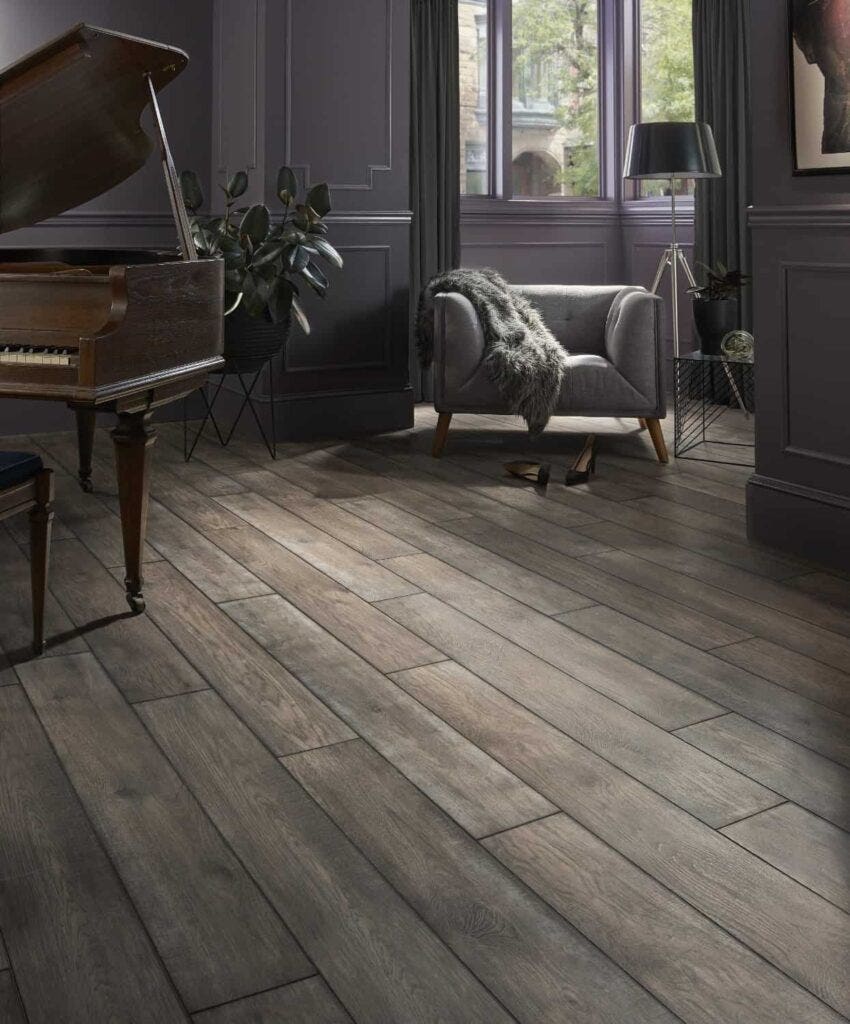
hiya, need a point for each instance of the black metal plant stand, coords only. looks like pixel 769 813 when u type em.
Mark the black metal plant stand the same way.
pixel 241 369
pixel 705 387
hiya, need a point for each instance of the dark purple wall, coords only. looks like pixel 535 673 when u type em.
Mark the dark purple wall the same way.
pixel 799 496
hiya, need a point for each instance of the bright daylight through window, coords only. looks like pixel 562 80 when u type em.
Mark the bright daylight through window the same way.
pixel 555 116
pixel 666 72
pixel 554 126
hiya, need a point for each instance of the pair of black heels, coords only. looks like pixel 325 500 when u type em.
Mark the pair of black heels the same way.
pixel 539 473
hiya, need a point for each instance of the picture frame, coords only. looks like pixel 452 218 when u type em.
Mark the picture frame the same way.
pixel 819 47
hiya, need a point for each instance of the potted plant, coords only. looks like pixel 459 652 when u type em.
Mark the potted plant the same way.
pixel 716 306
pixel 264 261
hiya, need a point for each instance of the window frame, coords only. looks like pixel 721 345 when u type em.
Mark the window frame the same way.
pixel 619 97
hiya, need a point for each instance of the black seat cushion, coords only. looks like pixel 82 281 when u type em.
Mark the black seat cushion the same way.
pixel 15 467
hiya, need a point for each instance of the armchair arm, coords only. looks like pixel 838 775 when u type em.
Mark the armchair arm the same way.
pixel 458 346
pixel 633 345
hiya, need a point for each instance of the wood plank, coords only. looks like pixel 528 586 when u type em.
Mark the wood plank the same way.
pixel 80 953
pixel 410 498
pixel 342 563
pixel 785 767
pixel 11 1009
pixel 645 692
pixel 798 931
pixel 796 717
pixel 369 540
pixel 704 787
pixel 203 477
pixel 365 629
pixel 545 595
pixel 750 616
pixel 142 661
pixel 734 580
pixel 329 517
pixel 269 699
pixel 197 509
pixel 216 934
pixel 702 630
pixel 303 1002
pixel 802 845
pixel 532 960
pixel 666 508
pixel 16 610
pixel 824 586
pixel 812 679
pixel 319 481
pixel 479 494
pixel 471 787
pixel 691 965
pixel 220 577
pixel 377 955
pixel 718 550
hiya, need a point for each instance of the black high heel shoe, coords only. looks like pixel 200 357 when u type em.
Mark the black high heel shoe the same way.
pixel 584 466
pixel 533 472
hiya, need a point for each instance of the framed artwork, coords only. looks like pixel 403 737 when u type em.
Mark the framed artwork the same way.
pixel 820 86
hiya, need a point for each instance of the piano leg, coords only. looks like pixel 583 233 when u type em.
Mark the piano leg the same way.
pixel 86 420
pixel 133 438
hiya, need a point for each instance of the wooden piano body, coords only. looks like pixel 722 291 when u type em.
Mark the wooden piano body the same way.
pixel 102 330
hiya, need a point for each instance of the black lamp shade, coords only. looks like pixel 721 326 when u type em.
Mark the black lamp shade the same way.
pixel 671 149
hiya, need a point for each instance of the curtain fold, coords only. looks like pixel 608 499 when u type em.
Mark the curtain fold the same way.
pixel 722 89
pixel 434 151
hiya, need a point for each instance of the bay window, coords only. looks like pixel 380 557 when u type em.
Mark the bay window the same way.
pixel 543 81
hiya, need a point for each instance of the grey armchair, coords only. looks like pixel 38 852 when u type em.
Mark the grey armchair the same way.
pixel 611 332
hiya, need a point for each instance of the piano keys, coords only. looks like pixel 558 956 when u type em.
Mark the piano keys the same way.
pixel 118 331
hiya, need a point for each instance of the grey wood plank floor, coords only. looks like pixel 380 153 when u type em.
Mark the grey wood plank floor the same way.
pixel 406 740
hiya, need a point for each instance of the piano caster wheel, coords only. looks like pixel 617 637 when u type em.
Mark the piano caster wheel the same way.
pixel 86 485
pixel 136 603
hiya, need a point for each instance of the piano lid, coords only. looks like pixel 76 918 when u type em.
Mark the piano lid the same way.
pixel 69 120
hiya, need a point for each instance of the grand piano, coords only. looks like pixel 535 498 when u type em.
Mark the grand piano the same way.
pixel 112 331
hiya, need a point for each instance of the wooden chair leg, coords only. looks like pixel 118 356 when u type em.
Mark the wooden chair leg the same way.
pixel 441 434
pixel 654 428
pixel 41 525
pixel 642 423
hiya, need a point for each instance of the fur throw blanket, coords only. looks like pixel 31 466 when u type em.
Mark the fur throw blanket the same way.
pixel 522 357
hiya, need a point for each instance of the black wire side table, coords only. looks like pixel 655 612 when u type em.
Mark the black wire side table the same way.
pixel 704 388
pixel 252 370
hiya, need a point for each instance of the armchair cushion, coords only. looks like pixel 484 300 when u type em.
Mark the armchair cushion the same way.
pixel 576 314
pixel 612 334
pixel 15 467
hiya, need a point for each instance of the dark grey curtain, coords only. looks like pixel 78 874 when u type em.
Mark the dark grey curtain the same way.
pixel 721 63
pixel 434 150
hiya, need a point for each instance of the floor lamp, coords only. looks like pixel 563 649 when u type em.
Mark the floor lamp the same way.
pixel 669 150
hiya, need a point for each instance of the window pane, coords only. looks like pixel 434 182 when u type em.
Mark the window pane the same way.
pixel 472 34
pixel 666 72
pixel 555 98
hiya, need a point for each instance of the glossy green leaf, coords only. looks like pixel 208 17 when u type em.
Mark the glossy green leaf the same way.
pixel 319 198
pixel 287 185
pixel 327 250
pixel 193 194
pixel 300 316
pixel 280 300
pixel 315 278
pixel 255 224
pixel 237 185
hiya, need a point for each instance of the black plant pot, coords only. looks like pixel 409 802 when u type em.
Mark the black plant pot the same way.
pixel 251 341
pixel 714 319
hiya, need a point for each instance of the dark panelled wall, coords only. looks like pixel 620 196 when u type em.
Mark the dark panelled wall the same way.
pixel 799 496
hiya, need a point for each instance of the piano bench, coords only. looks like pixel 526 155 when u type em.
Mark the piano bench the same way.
pixel 26 486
